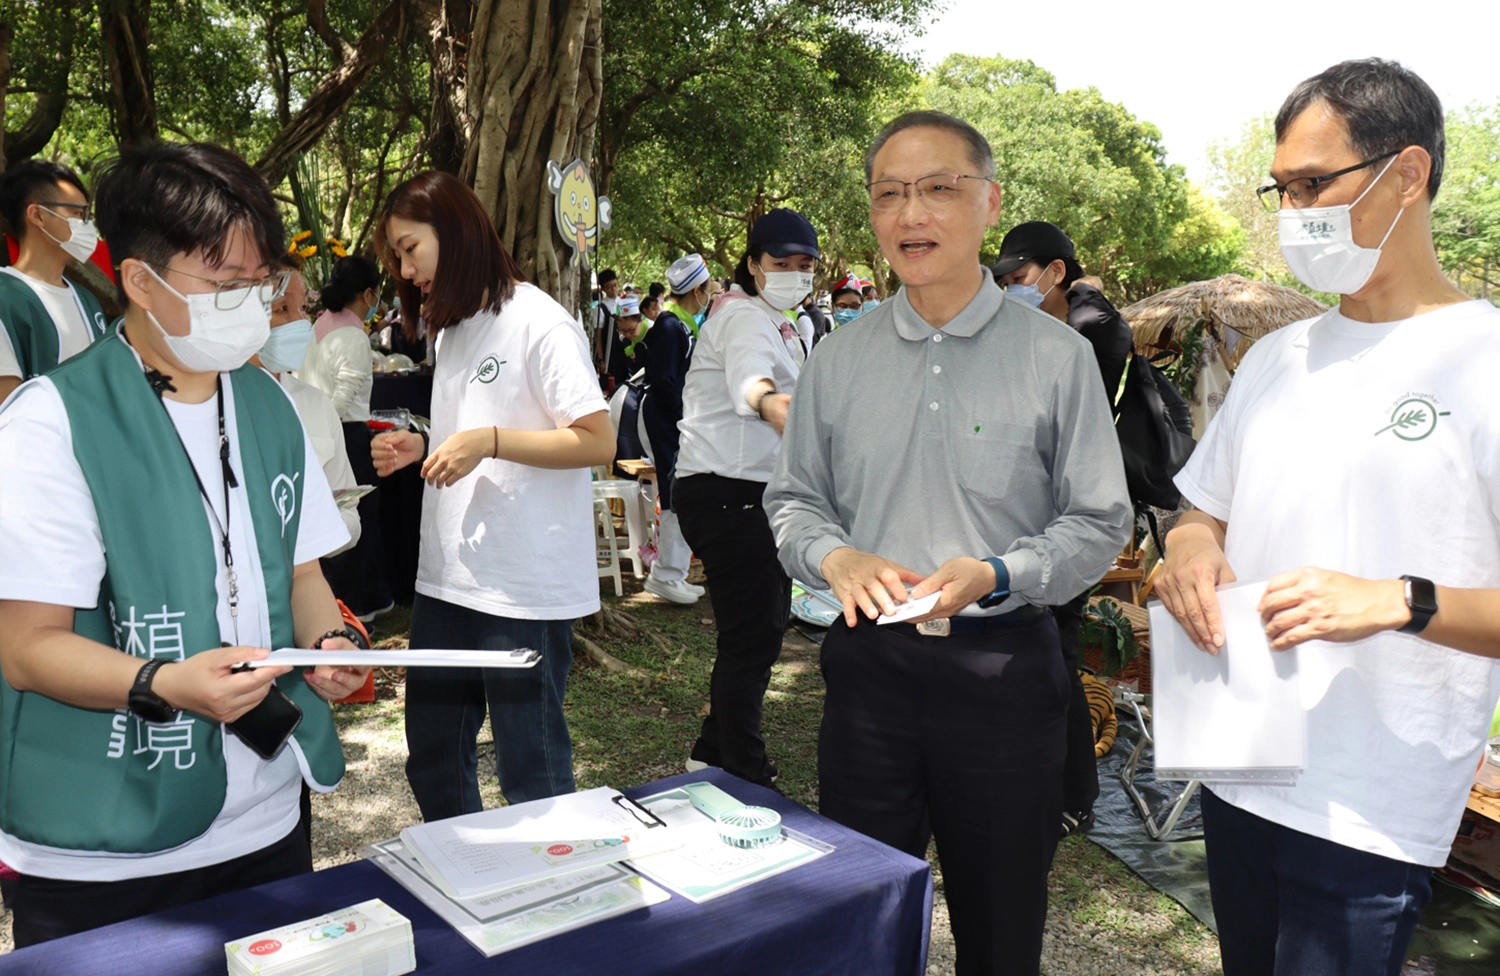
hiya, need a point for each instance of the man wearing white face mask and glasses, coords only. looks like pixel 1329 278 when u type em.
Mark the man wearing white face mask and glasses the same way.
pixel 161 518
pixel 44 318
pixel 1354 466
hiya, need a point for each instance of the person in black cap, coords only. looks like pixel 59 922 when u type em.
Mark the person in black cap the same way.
pixel 609 348
pixel 735 402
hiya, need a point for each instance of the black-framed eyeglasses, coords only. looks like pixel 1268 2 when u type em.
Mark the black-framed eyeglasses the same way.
pixel 229 295
pixel 1303 191
pixel 84 211
pixel 937 190
pixel 646 817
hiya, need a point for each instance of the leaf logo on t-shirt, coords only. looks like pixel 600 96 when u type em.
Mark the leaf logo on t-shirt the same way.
pixel 1413 419
pixel 488 369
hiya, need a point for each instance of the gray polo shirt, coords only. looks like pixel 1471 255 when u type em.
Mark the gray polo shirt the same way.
pixel 989 436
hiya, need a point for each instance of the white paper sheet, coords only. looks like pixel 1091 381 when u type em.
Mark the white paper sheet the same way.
pixel 1235 716
pixel 910 609
pixel 305 658
pixel 508 846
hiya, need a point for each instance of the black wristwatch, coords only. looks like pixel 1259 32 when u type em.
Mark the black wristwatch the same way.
pixel 146 703
pixel 1421 600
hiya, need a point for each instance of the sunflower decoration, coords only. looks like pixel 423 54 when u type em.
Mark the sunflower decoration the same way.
pixel 301 246
pixel 336 247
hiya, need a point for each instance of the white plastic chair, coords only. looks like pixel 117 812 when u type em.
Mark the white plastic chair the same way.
pixel 636 519
pixel 606 544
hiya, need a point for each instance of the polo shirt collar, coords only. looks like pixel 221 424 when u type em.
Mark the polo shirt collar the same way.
pixel 967 323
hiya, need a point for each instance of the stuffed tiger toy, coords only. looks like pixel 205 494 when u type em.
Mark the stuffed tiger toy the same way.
pixel 1102 710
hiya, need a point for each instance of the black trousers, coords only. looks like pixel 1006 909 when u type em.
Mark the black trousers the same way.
pixel 1081 770
pixel 960 739
pixel 359 576
pixel 722 519
pixel 45 908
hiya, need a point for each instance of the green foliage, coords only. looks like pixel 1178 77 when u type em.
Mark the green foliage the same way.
pixel 1092 168
pixel 1106 626
pixel 1466 217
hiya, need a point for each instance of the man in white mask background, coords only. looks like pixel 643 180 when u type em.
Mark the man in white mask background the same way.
pixel 1354 465
pixel 44 319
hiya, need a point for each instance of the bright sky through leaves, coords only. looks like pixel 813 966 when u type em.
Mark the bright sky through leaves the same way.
pixel 1200 70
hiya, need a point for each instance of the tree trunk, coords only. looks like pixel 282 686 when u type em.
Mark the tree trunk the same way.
pixel 7 34
pixel 447 26
pixel 334 92
pixel 531 91
pixel 125 27
pixel 52 89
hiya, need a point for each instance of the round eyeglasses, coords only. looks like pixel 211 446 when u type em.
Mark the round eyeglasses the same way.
pixel 229 295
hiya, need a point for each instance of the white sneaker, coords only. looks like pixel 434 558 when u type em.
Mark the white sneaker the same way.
pixel 675 591
pixel 695 588
pixel 695 765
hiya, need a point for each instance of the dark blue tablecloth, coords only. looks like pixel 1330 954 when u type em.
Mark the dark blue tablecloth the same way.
pixel 864 909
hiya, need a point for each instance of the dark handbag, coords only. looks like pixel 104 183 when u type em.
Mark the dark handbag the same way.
pixel 1153 441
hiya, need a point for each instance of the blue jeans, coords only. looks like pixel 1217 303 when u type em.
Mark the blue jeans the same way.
pixel 1291 904
pixel 445 708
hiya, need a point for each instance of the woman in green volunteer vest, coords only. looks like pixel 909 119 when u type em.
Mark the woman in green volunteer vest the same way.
pixel 161 519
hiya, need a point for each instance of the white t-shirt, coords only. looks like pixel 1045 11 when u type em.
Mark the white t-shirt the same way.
pixel 51 551
pixel 1373 450
pixel 721 434
pixel 340 365
pixel 509 539
pixel 73 332
pixel 326 434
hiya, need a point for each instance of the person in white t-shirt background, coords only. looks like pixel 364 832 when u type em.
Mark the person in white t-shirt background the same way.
pixel 47 210
pixel 340 365
pixel 507 554
pixel 283 354
pixel 1356 466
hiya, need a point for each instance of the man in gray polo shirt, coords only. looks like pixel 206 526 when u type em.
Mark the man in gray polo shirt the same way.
pixel 957 443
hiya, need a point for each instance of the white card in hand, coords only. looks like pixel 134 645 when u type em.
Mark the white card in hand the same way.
pixel 910 609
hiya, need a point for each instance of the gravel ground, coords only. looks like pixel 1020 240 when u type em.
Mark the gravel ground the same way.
pixel 1102 922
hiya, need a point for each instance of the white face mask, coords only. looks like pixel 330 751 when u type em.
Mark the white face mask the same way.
pixel 785 289
pixel 1318 244
pixel 218 340
pixel 83 240
pixel 286 347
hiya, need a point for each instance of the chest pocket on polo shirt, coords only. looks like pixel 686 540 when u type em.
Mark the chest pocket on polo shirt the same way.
pixel 996 458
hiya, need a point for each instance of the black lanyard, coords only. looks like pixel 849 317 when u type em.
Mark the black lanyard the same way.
pixel 230 481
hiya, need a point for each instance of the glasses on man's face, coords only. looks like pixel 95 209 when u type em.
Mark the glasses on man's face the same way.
pixel 1303 191
pixel 80 210
pixel 231 294
pixel 937 191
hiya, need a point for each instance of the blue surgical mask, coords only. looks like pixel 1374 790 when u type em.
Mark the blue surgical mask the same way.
pixel 1030 294
pixel 871 303
pixel 286 348
pixel 843 316
pixel 370 313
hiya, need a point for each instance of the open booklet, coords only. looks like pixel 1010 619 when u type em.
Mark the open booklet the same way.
pixel 1232 717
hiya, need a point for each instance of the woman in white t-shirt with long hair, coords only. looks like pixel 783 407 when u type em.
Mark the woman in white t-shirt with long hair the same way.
pixel 507 554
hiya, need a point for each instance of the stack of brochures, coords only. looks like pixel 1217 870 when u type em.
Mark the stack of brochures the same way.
pixel 509 877
pixel 1232 717
pixel 368 939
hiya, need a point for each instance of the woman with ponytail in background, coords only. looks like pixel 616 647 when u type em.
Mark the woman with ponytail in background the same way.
pixel 339 364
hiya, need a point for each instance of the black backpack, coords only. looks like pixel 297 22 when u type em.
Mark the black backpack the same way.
pixel 1156 434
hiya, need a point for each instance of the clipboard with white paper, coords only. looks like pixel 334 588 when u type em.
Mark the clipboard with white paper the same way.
pixel 1232 717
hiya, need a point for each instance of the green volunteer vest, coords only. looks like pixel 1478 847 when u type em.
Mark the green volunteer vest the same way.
pixel 33 334
pixel 86 780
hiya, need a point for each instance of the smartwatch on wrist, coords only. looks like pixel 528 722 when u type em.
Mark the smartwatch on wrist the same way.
pixel 146 703
pixel 1421 600
pixel 1002 584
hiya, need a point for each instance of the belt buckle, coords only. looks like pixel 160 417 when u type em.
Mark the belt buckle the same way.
pixel 935 628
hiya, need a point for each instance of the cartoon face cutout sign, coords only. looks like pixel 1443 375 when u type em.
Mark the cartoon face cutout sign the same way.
pixel 581 215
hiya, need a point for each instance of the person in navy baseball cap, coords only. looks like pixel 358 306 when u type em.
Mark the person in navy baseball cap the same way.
pixel 778 265
pixel 782 233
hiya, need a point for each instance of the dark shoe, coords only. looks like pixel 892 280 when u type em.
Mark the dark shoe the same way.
pixel 1077 823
